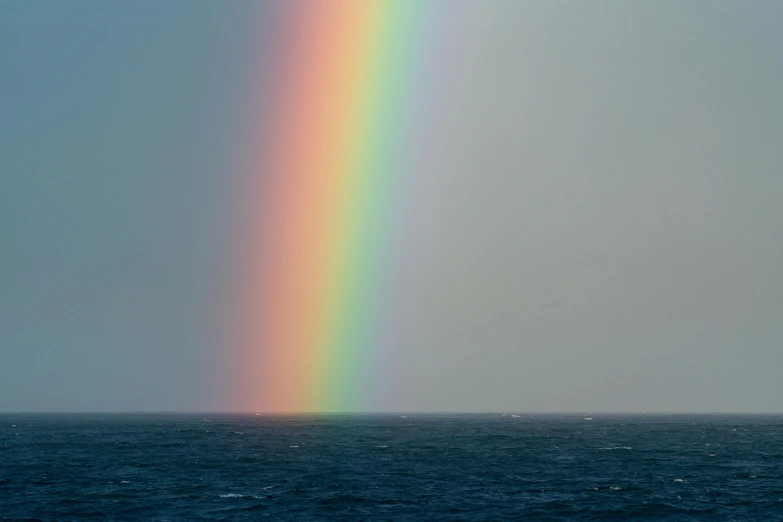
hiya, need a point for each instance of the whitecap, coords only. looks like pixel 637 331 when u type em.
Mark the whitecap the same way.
pixel 294 446
pixel 232 495
pixel 515 416
pixel 616 488
pixel 678 480
pixel 588 418
pixel 382 446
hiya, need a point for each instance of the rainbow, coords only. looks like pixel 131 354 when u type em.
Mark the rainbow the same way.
pixel 325 185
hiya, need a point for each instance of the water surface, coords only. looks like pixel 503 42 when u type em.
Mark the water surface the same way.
pixel 390 467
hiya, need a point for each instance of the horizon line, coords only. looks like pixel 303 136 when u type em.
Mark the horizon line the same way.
pixel 390 413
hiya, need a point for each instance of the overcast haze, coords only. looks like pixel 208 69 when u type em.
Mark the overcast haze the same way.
pixel 595 225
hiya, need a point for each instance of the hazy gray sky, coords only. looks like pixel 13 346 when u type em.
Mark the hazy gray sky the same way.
pixel 596 221
pixel 118 136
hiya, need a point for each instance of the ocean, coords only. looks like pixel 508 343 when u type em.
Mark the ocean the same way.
pixel 390 467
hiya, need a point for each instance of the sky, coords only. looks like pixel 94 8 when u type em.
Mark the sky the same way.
pixel 593 222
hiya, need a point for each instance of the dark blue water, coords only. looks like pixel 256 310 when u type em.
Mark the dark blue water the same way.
pixel 480 467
